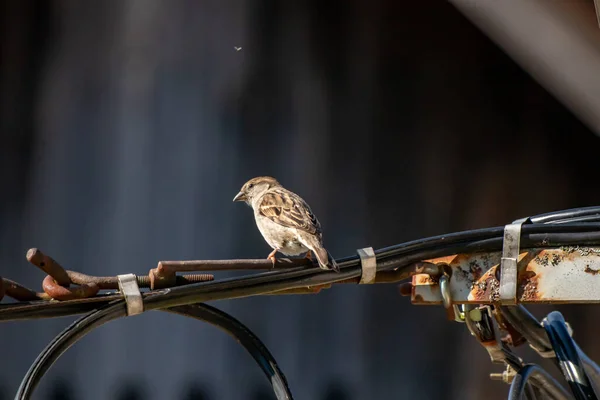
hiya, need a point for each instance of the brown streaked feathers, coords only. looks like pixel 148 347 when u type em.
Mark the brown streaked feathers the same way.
pixel 288 209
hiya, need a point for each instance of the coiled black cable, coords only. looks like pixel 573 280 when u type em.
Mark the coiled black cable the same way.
pixel 246 338
pixel 117 309
pixel 536 376
pixel 63 341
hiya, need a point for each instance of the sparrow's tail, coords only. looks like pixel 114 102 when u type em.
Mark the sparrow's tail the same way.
pixel 326 261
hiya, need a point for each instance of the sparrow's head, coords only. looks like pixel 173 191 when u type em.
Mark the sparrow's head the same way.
pixel 254 188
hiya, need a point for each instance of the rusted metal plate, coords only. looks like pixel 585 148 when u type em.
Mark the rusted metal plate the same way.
pixel 557 275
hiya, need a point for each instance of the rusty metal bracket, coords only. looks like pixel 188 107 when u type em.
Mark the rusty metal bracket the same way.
pixel 130 290
pixel 481 324
pixel 558 275
pixel 508 263
pixel 368 263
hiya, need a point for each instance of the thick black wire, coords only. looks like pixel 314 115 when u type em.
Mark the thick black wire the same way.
pixel 246 338
pixel 520 386
pixel 400 256
pixel 255 285
pixel 117 309
pixel 482 234
pixel 591 368
pixel 396 257
pixel 533 331
pixel 563 215
pixel 568 357
pixel 528 326
pixel 63 341
pixel 538 377
pixel 52 309
pixel 583 218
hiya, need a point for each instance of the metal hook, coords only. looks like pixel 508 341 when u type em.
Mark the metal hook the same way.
pixel 459 316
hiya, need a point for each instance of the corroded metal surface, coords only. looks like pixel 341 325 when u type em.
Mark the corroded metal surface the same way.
pixel 557 275
pixel 58 283
pixel 58 292
pixel 49 266
pixel 66 285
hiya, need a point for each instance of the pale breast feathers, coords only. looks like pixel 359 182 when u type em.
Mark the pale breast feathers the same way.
pixel 287 209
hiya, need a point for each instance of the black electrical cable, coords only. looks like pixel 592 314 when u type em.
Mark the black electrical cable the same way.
pixel 556 216
pixel 63 341
pixel 117 309
pixel 389 258
pixel 246 338
pixel 528 241
pixel 583 218
pixel 521 386
pixel 52 309
pixel 395 257
pixel 350 268
pixel 400 256
pixel 483 234
pixel 528 326
pixel 533 331
pixel 591 368
pixel 535 375
pixel 243 287
pixel 568 357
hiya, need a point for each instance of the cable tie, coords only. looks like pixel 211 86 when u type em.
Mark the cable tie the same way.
pixel 133 297
pixel 368 263
pixel 508 263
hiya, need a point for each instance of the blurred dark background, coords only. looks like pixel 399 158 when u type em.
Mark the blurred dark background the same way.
pixel 126 128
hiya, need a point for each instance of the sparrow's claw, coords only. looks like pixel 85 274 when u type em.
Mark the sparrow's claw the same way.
pixel 271 257
pixel 309 255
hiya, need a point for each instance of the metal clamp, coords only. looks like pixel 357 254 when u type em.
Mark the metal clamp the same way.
pixel 454 312
pixel 508 263
pixel 368 264
pixel 133 297
pixel 445 290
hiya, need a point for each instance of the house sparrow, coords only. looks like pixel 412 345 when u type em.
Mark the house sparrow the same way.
pixel 285 220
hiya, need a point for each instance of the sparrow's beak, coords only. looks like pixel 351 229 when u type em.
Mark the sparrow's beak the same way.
pixel 241 196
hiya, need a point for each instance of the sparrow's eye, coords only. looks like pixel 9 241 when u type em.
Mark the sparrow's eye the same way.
pixel 250 186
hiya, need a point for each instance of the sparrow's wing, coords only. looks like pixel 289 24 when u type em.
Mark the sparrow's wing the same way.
pixel 288 209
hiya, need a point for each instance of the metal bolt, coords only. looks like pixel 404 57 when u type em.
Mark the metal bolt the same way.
pixel 143 281
pixel 506 376
pixel 194 278
pixel 497 376
pixel 160 279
